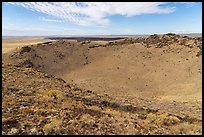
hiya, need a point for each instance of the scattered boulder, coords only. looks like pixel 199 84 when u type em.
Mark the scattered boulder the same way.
pixel 171 34
pixel 155 36
pixel 59 54
pixel 45 43
pixel 199 53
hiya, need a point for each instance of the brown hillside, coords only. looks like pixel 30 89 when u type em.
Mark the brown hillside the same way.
pixel 158 75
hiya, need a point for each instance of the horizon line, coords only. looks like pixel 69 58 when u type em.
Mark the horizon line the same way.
pixel 98 35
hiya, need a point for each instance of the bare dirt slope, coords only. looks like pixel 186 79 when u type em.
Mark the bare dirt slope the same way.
pixel 35 103
pixel 160 72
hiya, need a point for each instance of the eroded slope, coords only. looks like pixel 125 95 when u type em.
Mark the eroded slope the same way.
pixel 37 103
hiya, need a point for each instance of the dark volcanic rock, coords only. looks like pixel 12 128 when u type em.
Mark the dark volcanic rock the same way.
pixel 25 49
pixel 26 64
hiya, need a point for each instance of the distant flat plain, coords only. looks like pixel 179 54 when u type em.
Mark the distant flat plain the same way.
pixel 10 43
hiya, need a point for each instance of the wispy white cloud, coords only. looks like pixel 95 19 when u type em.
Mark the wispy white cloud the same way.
pixel 50 20
pixel 88 13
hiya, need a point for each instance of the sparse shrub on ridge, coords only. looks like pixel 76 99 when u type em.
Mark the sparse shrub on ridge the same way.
pixel 54 93
pixel 28 70
pixel 54 127
pixel 171 120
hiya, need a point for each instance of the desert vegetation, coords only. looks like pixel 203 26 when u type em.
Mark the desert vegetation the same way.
pixel 135 85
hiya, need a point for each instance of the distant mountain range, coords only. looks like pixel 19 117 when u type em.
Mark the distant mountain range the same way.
pixel 192 34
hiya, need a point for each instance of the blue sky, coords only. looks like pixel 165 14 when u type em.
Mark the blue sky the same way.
pixel 89 18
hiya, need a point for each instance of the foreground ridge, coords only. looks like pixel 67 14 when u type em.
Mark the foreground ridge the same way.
pixel 37 103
